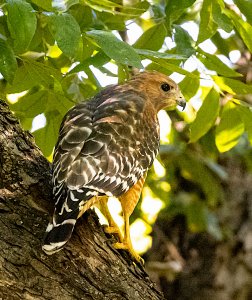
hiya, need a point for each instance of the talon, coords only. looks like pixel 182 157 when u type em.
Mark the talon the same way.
pixel 128 248
pixel 115 231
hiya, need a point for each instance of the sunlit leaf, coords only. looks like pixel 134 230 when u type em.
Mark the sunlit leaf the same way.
pixel 212 62
pixel 31 74
pixel 22 81
pixel 190 85
pixel 219 16
pixel 153 38
pixel 206 116
pixel 232 86
pixel 116 49
pixel 31 105
pixel 164 64
pixel 183 41
pixel 45 4
pixel 46 137
pixel 22 23
pixel 223 48
pixel 8 63
pixel 96 60
pixel 156 54
pixel 208 26
pixel 174 9
pixel 243 28
pixel 116 8
pixel 229 130
pixel 66 32
pixel 63 5
pixel 245 7
pixel 246 116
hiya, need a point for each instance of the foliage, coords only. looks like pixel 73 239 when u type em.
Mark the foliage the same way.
pixel 47 46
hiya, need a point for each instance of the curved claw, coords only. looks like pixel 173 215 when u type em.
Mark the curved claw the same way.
pixel 115 231
pixel 128 247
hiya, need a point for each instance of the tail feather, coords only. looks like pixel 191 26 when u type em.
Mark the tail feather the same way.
pixel 67 209
pixel 57 235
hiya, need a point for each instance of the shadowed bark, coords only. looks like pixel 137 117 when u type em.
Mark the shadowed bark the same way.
pixel 88 268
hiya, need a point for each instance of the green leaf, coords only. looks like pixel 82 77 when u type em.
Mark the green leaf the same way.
pixel 243 28
pixel 206 116
pixel 109 21
pixel 219 17
pixel 21 82
pixel 194 169
pixel 62 6
pixel 31 74
pixel 115 8
pixel 66 32
pixel 245 7
pixel 246 116
pixel 232 86
pixel 46 137
pixel 153 38
pixel 190 85
pixel 22 23
pixel 212 62
pixel 97 60
pixel 183 41
pixel 45 4
pixel 224 48
pixel 8 63
pixel 156 54
pixel 116 49
pixel 230 129
pixel 196 216
pixel 41 73
pixel 58 102
pixel 31 105
pixel 208 26
pixel 174 9
pixel 171 67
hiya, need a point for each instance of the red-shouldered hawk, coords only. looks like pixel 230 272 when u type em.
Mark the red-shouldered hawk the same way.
pixel 106 146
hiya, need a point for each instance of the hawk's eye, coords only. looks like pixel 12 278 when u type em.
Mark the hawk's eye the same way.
pixel 165 87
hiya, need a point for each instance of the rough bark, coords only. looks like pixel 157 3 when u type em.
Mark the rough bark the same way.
pixel 207 268
pixel 88 268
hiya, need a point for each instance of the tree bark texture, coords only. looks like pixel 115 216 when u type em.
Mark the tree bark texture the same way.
pixel 207 268
pixel 88 268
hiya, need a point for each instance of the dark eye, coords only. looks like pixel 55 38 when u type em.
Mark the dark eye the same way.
pixel 165 87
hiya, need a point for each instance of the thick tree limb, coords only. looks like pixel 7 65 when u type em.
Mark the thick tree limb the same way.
pixel 88 268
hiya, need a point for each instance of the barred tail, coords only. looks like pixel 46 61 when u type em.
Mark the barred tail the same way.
pixel 67 211
pixel 57 235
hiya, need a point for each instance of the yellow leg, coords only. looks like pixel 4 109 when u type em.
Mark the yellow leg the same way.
pixel 129 201
pixel 113 227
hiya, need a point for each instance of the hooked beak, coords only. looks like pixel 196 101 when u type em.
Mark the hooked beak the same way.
pixel 181 102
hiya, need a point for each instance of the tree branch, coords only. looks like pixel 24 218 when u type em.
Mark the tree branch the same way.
pixel 88 268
